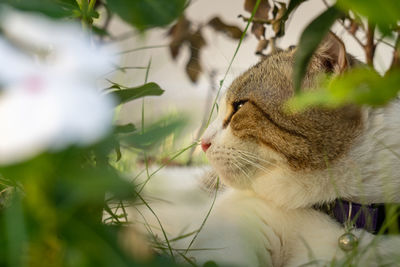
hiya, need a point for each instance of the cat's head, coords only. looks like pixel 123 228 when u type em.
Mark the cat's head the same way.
pixel 253 135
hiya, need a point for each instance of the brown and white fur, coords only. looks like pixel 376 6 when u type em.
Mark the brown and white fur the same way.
pixel 280 164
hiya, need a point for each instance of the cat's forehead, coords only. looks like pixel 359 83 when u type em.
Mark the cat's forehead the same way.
pixel 267 78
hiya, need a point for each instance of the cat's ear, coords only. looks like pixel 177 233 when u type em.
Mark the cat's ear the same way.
pixel 332 50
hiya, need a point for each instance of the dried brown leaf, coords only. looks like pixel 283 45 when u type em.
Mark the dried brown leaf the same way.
pixel 231 31
pixel 197 40
pixel 277 27
pixel 193 66
pixel 179 34
pixel 258 30
pixel 262 10
pixel 282 10
pixel 261 46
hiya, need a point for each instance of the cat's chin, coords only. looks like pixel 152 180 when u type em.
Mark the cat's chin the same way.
pixel 234 180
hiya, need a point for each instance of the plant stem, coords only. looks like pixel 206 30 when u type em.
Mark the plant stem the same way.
pixel 91 4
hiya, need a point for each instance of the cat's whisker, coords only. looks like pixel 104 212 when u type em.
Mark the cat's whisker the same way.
pixel 255 164
pixel 243 166
pixel 241 169
pixel 248 154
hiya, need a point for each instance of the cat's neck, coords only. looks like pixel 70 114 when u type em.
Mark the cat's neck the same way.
pixel 367 174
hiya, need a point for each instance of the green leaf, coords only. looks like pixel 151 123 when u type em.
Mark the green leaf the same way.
pixel 153 134
pixel 129 94
pixel 100 31
pixel 309 41
pixel 363 86
pixel 123 129
pixel 292 5
pixel 144 14
pixel 210 264
pixel 385 13
pixel 50 8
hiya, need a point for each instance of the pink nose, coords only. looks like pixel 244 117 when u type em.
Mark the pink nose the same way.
pixel 205 145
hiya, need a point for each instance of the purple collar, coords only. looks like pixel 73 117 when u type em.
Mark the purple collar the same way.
pixel 369 217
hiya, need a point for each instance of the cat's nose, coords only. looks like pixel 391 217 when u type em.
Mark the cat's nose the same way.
pixel 205 145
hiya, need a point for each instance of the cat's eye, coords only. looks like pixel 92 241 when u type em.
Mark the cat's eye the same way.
pixel 238 104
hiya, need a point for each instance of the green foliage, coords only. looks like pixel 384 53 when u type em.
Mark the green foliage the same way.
pixel 51 206
pixel 145 14
pixel 51 8
pixel 309 41
pixel 153 134
pixel 384 13
pixel 359 86
pixel 293 4
pixel 362 86
pixel 128 94
pixel 59 210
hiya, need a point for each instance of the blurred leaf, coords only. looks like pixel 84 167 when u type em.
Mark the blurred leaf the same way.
pixel 358 86
pixel 153 134
pixel 258 28
pixel 179 33
pixel 16 231
pixel 144 14
pixel 385 13
pixel 293 4
pixel 210 264
pixel 99 31
pixel 262 10
pixel 262 44
pixel 51 8
pixel 309 41
pixel 231 31
pixel 123 129
pixel 279 24
pixel 88 185
pixel 129 94
pixel 118 152
pixel 193 66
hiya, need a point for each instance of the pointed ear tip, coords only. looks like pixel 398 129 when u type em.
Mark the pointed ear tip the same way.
pixel 332 45
pixel 334 39
pixel 333 49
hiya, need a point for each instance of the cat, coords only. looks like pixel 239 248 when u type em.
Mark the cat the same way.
pixel 279 165
pixel 298 160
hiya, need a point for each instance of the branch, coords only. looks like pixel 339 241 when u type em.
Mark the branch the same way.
pixel 396 53
pixel 369 47
pixel 257 20
pixel 346 28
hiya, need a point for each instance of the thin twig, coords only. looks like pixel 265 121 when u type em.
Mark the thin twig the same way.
pixel 396 53
pixel 346 28
pixel 256 20
pixel 370 45
pixel 141 48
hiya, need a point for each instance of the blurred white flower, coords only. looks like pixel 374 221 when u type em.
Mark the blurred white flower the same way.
pixel 50 101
